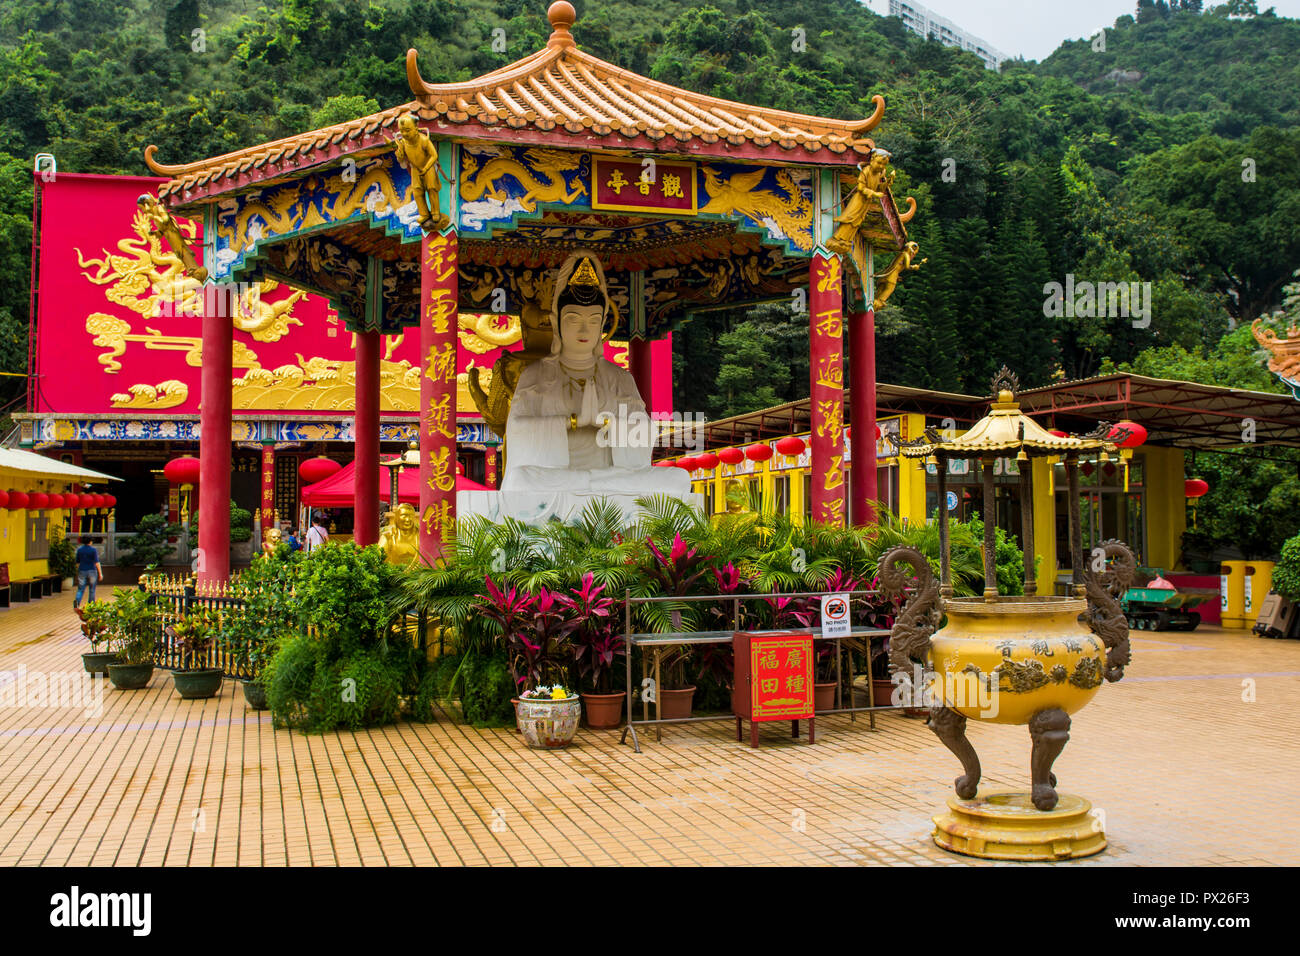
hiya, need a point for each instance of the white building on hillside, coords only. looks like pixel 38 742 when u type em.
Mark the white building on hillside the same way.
pixel 924 22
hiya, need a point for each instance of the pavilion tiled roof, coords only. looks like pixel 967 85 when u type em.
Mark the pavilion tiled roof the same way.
pixel 557 88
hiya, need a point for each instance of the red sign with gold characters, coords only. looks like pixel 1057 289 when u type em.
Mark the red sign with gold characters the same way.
pixel 777 672
pixel 643 185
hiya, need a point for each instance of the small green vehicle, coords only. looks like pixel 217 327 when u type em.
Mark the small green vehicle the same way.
pixel 1157 605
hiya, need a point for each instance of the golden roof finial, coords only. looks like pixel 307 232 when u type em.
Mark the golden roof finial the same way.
pixel 562 15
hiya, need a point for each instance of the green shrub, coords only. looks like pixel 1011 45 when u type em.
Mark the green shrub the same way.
pixel 63 556
pixel 1286 574
pixel 1009 561
pixel 288 679
pixel 149 545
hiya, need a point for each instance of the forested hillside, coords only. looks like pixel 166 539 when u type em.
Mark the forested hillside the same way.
pixel 1184 173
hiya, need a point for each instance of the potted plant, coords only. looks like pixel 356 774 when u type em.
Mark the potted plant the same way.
pixel 96 618
pixel 252 632
pixel 675 573
pixel 194 634
pixel 134 632
pixel 824 682
pixel 536 630
pixel 548 716
pixel 596 645
pixel 63 560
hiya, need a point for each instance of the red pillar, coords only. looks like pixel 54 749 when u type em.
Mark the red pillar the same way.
pixel 639 364
pixel 267 511
pixel 862 413
pixel 826 373
pixel 365 488
pixel 214 437
pixel 439 290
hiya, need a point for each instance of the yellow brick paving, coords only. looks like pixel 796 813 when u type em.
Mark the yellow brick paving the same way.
pixel 1186 767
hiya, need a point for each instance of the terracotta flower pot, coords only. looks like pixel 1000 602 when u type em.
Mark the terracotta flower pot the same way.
pixel 604 711
pixel 824 696
pixel 676 704
pixel 882 692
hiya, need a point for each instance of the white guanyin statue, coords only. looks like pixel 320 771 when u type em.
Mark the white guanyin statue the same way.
pixel 555 441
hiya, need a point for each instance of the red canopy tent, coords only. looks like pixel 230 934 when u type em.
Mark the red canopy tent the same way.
pixel 336 490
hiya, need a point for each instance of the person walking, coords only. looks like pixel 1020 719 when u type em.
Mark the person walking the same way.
pixel 288 537
pixel 88 571
pixel 316 534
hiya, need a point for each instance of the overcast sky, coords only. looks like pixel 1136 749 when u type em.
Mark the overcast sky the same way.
pixel 1034 28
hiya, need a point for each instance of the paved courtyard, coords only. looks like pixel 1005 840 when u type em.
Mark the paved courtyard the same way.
pixel 1185 769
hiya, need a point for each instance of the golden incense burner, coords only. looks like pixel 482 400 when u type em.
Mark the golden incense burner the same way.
pixel 1011 659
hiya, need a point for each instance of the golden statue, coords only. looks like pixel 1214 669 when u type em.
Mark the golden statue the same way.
pixel 419 154
pixel 535 292
pixel 1284 354
pixel 400 536
pixel 873 180
pixel 165 226
pixel 886 281
pixel 271 539
pixel 737 497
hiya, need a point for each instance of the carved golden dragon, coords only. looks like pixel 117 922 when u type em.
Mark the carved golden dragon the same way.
pixel 548 163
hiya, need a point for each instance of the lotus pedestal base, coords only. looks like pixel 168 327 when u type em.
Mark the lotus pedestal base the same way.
pixel 1005 826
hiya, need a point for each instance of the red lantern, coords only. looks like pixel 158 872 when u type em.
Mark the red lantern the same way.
pixel 317 469
pixel 708 461
pixel 99 500
pixel 38 501
pixel 664 464
pixel 687 463
pixel 848 432
pixel 790 446
pixel 17 500
pixel 4 499
pixel 56 502
pixel 110 501
pixel 761 451
pixel 86 501
pixel 182 471
pixel 1137 434
pixel 732 456
pixel 879 433
pixel 1058 433
pixel 1195 487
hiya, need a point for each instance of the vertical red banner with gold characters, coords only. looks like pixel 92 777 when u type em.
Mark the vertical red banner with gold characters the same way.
pixel 267 510
pixel 439 289
pixel 826 355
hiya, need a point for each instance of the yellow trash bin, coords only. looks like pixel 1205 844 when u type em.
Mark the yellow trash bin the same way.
pixel 1232 594
pixel 1259 581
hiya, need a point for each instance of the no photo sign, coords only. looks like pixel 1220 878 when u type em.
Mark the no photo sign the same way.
pixel 835 615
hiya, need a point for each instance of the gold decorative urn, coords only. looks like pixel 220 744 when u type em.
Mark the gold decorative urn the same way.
pixel 1011 659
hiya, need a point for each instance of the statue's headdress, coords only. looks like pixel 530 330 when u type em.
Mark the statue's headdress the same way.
pixel 581 281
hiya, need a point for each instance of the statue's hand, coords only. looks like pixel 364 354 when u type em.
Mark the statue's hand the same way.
pixel 585 420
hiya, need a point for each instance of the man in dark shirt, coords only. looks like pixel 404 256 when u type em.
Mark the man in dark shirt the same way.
pixel 88 571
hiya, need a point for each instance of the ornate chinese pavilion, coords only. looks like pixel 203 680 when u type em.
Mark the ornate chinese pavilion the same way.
pixel 470 195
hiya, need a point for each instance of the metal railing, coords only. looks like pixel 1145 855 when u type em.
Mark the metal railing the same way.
pixel 175 597
pixel 654 643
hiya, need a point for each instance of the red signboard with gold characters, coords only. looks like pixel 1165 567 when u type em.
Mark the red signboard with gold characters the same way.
pixel 774 679
pixel 643 185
